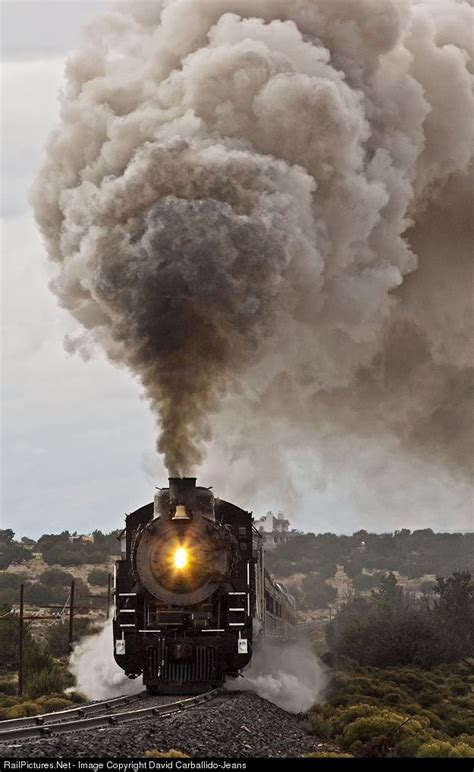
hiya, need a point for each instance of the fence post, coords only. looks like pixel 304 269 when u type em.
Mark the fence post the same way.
pixel 20 641
pixel 109 589
pixel 71 614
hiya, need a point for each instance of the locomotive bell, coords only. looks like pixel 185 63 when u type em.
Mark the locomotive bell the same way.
pixel 182 501
pixel 182 494
pixel 180 513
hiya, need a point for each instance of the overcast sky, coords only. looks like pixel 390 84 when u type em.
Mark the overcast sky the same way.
pixel 77 439
pixel 75 435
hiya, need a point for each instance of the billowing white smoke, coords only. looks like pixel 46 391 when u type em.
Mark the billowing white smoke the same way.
pixel 97 674
pixel 261 208
pixel 289 675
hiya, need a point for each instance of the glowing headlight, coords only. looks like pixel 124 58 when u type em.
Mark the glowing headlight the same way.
pixel 180 558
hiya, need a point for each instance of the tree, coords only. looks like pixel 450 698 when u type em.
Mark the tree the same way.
pixel 55 577
pixel 99 577
pixel 367 581
pixel 454 612
pixel 390 594
pixel 57 635
pixel 394 628
pixel 9 640
pixel 389 628
pixel 11 551
pixel 317 592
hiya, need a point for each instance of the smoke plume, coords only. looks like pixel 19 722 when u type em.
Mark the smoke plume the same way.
pixel 97 674
pixel 261 208
pixel 289 675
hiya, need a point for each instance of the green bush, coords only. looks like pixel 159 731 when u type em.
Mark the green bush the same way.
pixel 394 628
pixel 363 582
pixel 23 709
pixel 98 577
pixel 55 577
pixel 7 685
pixel 10 581
pixel 57 635
pixel 357 710
pixel 317 592
pixel 46 681
pixel 11 551
pixel 50 704
pixel 319 725
pixel 57 549
pixel 384 727
pixel 440 749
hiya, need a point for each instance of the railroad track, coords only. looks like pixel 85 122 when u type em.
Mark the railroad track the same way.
pixel 79 718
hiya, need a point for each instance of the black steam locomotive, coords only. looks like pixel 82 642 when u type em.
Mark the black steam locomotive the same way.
pixel 192 596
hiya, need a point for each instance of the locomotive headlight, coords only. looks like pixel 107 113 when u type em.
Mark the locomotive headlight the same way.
pixel 180 558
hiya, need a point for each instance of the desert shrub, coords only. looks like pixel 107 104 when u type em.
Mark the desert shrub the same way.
pixel 57 635
pixel 10 588
pixel 427 587
pixel 457 686
pixel 57 549
pixel 317 592
pixel 50 704
pixel 381 727
pixel 428 696
pixel 363 582
pixel 319 724
pixel 394 698
pixel 342 717
pixel 55 577
pixel 8 702
pixel 360 699
pixel 460 724
pixel 10 550
pixel 36 658
pixel 37 593
pixel 99 577
pixel 466 739
pixel 7 685
pixel 23 709
pixel 9 580
pixel 441 749
pixel 46 681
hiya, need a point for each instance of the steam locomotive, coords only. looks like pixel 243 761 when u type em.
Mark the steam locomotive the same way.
pixel 192 596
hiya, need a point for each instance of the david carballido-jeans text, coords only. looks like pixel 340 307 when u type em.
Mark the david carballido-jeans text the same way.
pixel 62 765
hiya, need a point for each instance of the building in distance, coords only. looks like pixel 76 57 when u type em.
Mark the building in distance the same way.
pixel 274 529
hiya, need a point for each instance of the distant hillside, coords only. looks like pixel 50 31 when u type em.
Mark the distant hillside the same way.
pixel 322 569
pixel 63 549
pixel 47 566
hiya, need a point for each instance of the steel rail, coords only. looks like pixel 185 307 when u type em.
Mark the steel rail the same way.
pixel 60 727
pixel 80 711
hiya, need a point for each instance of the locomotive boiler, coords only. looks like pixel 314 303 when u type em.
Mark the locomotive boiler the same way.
pixel 192 596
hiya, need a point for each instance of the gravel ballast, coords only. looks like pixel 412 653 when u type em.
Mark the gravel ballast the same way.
pixel 235 724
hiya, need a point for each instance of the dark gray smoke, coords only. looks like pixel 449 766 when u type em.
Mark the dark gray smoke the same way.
pixel 261 208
